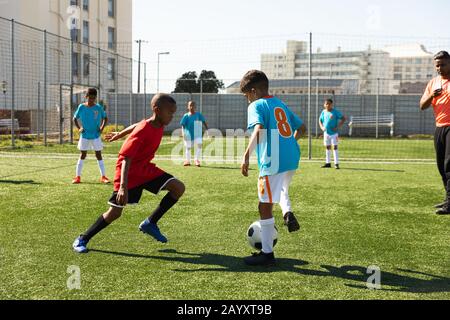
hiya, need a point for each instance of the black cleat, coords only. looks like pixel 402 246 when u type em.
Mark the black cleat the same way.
pixel 445 210
pixel 326 166
pixel 260 259
pixel 441 205
pixel 337 167
pixel 291 222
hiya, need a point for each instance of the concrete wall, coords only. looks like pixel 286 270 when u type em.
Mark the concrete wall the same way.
pixel 230 111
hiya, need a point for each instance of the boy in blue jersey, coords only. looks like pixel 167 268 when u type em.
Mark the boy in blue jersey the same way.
pixel 90 119
pixel 330 121
pixel 192 124
pixel 275 131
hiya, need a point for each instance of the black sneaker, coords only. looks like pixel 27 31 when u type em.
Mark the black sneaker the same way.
pixel 445 210
pixel 327 165
pixel 291 222
pixel 441 205
pixel 337 167
pixel 260 259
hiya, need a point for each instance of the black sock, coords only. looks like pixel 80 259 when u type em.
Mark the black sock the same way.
pixel 166 203
pixel 98 226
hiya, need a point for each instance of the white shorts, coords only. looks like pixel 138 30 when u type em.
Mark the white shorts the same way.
pixel 270 188
pixel 196 142
pixel 87 145
pixel 330 140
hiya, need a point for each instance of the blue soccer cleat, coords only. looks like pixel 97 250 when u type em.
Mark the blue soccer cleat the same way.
pixel 80 245
pixel 152 230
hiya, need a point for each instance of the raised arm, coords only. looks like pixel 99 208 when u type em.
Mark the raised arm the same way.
pixel 114 136
pixel 426 100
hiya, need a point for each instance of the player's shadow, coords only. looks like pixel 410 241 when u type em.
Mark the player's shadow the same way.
pixel 210 262
pixel 19 182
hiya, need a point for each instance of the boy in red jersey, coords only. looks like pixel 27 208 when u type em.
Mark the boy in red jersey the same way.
pixel 135 172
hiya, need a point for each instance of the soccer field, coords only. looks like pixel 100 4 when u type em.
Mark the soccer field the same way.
pixel 366 214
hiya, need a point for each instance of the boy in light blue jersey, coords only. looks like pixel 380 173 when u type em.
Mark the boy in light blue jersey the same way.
pixel 275 131
pixel 90 119
pixel 330 121
pixel 192 124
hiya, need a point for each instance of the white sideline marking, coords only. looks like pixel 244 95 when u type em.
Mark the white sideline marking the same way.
pixel 212 159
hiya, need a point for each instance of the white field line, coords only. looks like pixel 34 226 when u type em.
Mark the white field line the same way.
pixel 217 160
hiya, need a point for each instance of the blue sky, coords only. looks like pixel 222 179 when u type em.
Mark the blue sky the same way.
pixel 229 36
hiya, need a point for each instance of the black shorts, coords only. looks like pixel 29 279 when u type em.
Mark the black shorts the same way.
pixel 135 194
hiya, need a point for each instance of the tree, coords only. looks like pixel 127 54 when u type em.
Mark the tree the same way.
pixel 210 82
pixel 206 82
pixel 187 83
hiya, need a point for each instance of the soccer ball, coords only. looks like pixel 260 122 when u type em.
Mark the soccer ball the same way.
pixel 254 236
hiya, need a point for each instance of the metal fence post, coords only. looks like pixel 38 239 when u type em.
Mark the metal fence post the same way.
pixel 99 73
pixel 309 98
pixel 45 88
pixel 13 85
pixel 71 91
pixel 145 90
pixel 116 89
pixel 38 129
pixel 317 108
pixel 201 95
pixel 377 107
pixel 131 108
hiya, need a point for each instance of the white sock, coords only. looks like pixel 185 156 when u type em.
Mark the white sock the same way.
pixel 285 203
pixel 267 231
pixel 79 167
pixel 336 156
pixel 101 165
pixel 328 159
pixel 198 154
pixel 188 154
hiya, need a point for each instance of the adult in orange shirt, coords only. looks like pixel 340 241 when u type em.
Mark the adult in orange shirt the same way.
pixel 437 94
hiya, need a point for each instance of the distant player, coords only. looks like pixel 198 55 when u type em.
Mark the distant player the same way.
pixel 90 119
pixel 192 124
pixel 276 130
pixel 330 121
pixel 135 173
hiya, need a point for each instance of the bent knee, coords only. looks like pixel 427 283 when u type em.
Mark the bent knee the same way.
pixel 176 188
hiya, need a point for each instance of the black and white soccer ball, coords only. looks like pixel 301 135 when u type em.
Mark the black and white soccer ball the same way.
pixel 254 236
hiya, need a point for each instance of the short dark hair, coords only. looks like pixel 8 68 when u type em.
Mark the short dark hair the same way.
pixel 162 99
pixel 442 55
pixel 329 100
pixel 254 79
pixel 91 92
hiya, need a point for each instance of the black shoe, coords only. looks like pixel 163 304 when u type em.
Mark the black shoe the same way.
pixel 327 165
pixel 443 211
pixel 260 259
pixel 291 222
pixel 337 167
pixel 441 205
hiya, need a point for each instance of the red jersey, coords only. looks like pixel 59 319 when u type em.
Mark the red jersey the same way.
pixel 140 147
pixel 441 104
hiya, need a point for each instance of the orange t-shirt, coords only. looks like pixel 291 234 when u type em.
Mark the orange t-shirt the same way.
pixel 441 104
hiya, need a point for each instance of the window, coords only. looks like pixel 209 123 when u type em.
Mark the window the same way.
pixel 86 32
pixel 111 38
pixel 111 69
pixel 418 61
pixel 74 2
pixel 86 66
pixel 86 5
pixel 111 8
pixel 397 76
pixel 75 35
pixel 75 64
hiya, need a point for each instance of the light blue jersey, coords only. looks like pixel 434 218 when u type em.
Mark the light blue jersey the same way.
pixel 91 120
pixel 192 125
pixel 277 151
pixel 330 121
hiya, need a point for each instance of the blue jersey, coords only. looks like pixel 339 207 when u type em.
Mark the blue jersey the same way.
pixel 277 151
pixel 192 125
pixel 91 120
pixel 330 120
